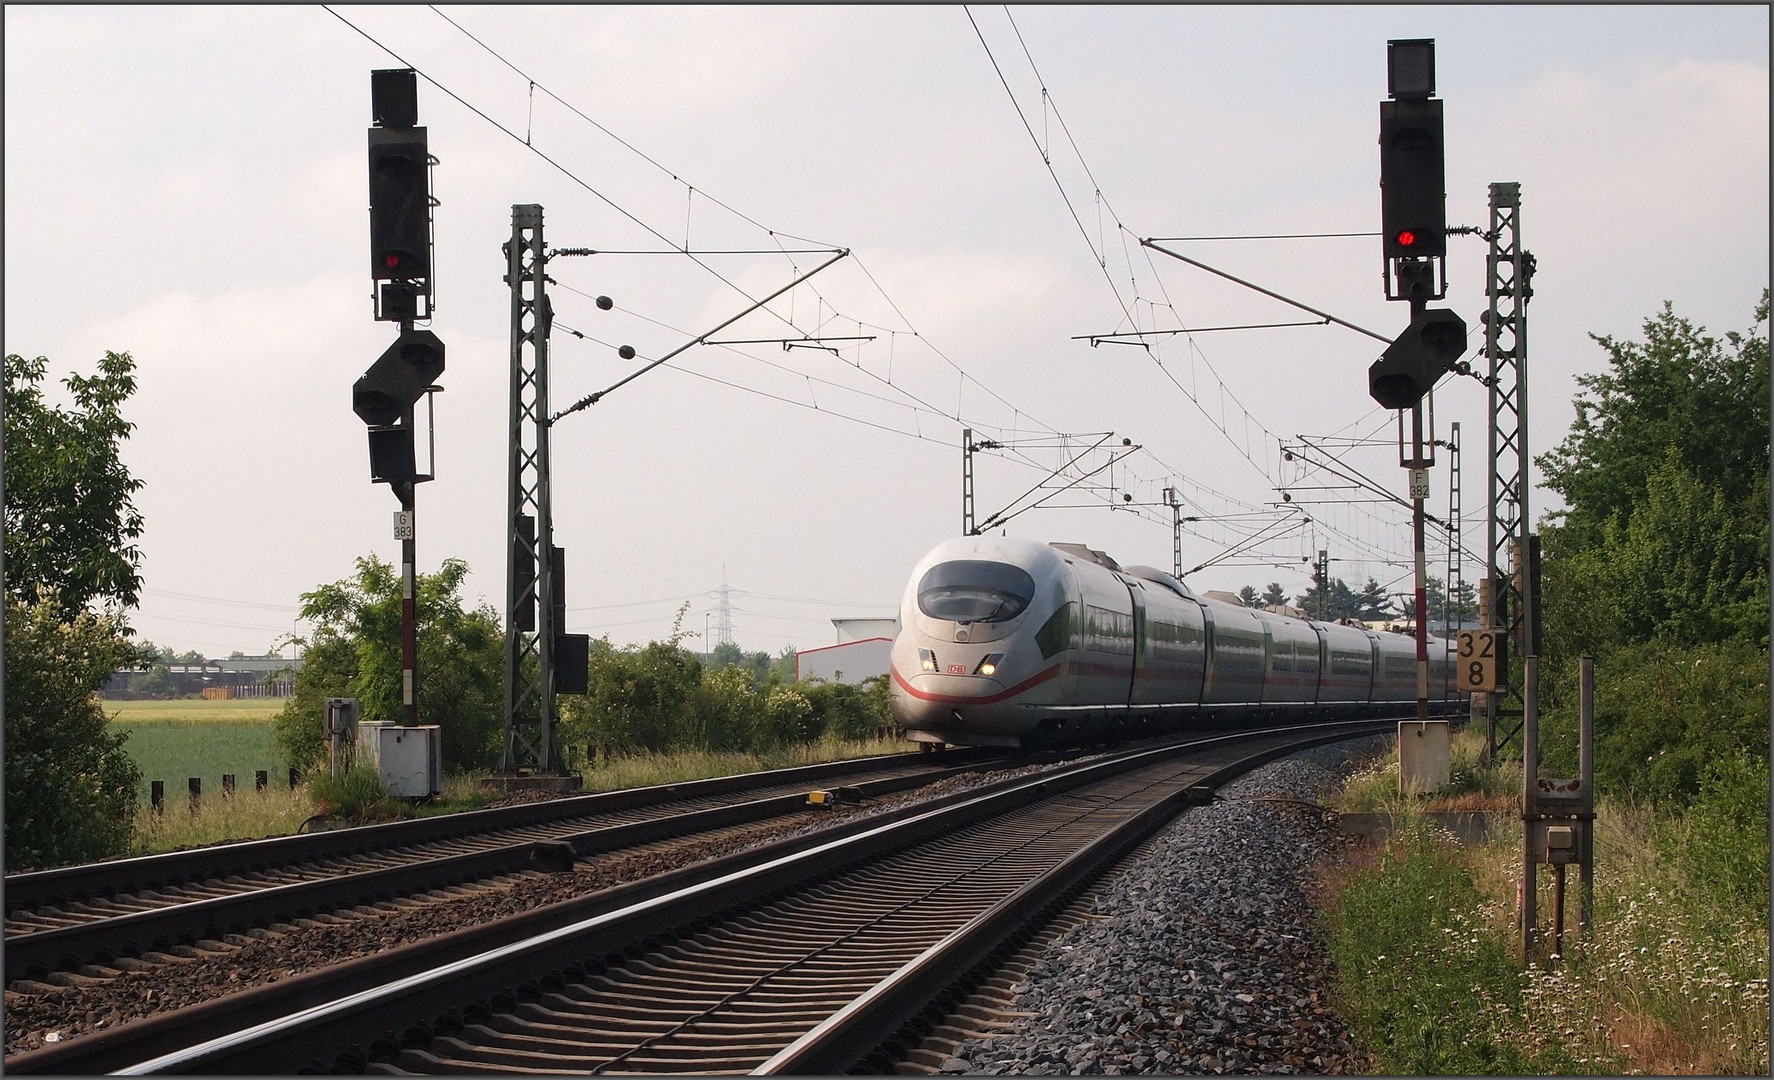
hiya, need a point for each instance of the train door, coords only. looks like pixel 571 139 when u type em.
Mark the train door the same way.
pixel 1324 663
pixel 1141 651
pixel 1278 664
pixel 1209 668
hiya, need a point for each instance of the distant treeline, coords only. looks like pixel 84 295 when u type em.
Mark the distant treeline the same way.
pixel 655 697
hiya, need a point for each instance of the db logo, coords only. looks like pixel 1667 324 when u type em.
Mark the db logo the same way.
pixel 957 669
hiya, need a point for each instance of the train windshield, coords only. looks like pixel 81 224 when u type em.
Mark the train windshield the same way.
pixel 975 590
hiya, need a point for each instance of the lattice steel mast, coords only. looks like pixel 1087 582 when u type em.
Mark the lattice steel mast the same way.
pixel 966 481
pixel 1508 284
pixel 530 614
pixel 1451 585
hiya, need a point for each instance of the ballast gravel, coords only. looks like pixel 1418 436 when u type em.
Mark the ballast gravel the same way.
pixel 1199 956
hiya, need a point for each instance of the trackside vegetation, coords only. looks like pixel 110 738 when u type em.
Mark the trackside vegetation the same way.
pixel 1658 567
pixel 1673 977
pixel 354 651
pixel 358 795
pixel 658 698
pixel 71 578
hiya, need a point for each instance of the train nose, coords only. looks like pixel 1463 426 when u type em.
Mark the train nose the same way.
pixel 931 697
pixel 955 689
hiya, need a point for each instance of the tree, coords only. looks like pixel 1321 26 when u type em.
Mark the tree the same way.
pixel 783 668
pixel 757 664
pixel 1274 595
pixel 725 654
pixel 70 527
pixel 70 786
pixel 1465 601
pixel 1373 603
pixel 70 524
pixel 1682 565
pixel 1341 602
pixel 1659 563
pixel 1665 477
pixel 355 651
pixel 1248 596
pixel 1678 397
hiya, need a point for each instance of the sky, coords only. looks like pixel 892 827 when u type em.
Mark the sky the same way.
pixel 188 184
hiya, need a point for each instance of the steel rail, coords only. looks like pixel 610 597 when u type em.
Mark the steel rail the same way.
pixel 151 871
pixel 160 928
pixel 108 1050
pixel 372 1025
pixel 850 1035
pixel 146 871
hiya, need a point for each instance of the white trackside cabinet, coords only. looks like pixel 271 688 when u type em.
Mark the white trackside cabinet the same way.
pixel 409 759
pixel 1423 756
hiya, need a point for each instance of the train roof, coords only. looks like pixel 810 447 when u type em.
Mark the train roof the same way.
pixel 1149 573
pixel 1088 554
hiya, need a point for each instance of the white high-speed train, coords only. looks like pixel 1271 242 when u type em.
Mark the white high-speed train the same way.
pixel 1006 642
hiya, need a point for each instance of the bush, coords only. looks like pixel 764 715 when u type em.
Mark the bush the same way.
pixel 1721 843
pixel 70 786
pixel 787 719
pixel 355 652
pixel 329 666
pixel 637 700
pixel 852 711
pixel 660 698
pixel 1662 710
pixel 728 709
pixel 356 794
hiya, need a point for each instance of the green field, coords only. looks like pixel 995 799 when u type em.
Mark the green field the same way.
pixel 252 710
pixel 173 740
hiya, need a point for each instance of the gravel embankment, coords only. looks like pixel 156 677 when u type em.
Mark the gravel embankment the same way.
pixel 1200 955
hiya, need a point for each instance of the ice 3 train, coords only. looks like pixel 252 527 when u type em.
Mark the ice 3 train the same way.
pixel 1007 642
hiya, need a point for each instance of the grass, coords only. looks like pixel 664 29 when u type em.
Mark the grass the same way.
pixel 1673 979
pixel 645 770
pixel 249 815
pixel 194 710
pixel 280 811
pixel 174 749
pixel 179 739
pixel 1473 784
pixel 1427 985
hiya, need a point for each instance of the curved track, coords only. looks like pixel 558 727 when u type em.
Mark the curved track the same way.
pixel 61 919
pixel 799 958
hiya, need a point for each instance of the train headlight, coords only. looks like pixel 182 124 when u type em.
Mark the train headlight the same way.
pixel 989 665
pixel 926 659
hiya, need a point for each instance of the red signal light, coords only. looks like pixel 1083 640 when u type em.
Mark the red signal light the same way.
pixel 1407 238
pixel 391 260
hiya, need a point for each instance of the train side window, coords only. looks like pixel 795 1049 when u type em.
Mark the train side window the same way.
pixel 1170 640
pixel 1107 631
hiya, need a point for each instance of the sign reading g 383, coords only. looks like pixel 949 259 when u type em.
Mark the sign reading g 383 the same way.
pixel 1478 661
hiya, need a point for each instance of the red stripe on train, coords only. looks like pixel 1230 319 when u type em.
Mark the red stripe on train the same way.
pixel 951 699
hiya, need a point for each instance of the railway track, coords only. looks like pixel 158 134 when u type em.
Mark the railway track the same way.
pixel 61 920
pixel 805 956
